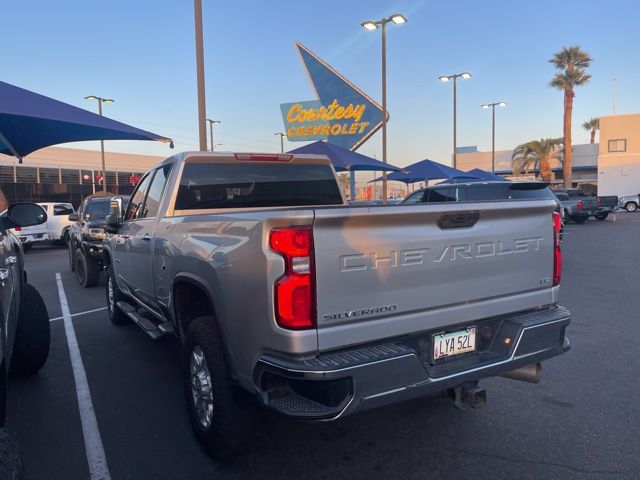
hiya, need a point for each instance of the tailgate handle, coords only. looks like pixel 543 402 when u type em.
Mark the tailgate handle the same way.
pixel 458 220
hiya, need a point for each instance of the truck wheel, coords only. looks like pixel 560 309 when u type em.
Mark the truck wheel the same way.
pixel 579 218
pixel 114 295
pixel 219 421
pixel 601 216
pixel 87 272
pixel 11 467
pixel 31 344
pixel 631 206
pixel 72 263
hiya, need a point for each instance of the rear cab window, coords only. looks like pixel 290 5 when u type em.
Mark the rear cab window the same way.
pixel 211 185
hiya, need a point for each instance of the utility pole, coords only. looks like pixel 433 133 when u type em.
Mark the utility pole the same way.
pixel 202 111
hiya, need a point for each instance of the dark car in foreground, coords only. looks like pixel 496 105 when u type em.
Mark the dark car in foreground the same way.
pixel 25 335
pixel 86 235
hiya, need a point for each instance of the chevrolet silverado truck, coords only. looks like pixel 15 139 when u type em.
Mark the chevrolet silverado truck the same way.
pixel 282 293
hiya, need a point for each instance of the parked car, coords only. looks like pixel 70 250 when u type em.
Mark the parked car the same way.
pixel 281 294
pixel 579 207
pixel 56 228
pixel 85 238
pixel 458 191
pixel 630 202
pixel 25 335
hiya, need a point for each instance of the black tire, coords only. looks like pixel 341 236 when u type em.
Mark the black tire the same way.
pixel 117 316
pixel 601 216
pixel 232 421
pixel 33 336
pixel 579 218
pixel 631 206
pixel 87 273
pixel 26 247
pixel 11 467
pixel 72 263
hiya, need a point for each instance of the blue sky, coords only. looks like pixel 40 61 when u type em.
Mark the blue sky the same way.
pixel 141 53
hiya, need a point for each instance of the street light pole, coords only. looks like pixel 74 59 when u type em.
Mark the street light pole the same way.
pixel 454 77
pixel 211 122
pixel 398 19
pixel 493 130
pixel 104 170
pixel 282 135
pixel 202 111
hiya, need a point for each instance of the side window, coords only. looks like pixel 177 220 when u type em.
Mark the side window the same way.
pixel 137 198
pixel 62 209
pixel 152 203
pixel 414 197
pixel 442 195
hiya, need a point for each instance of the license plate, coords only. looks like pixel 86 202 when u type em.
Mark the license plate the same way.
pixel 454 343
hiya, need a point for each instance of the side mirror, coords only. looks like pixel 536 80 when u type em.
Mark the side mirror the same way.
pixel 23 214
pixel 114 219
pixel 74 217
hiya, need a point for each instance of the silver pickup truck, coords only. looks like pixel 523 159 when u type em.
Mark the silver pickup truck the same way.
pixel 277 289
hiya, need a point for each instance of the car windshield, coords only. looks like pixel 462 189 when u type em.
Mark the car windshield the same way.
pixel 97 209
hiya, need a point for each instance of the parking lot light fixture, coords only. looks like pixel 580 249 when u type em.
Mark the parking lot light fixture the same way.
pixel 282 135
pixel 396 18
pixel 454 77
pixel 100 102
pixel 369 25
pixel 493 106
pixel 211 122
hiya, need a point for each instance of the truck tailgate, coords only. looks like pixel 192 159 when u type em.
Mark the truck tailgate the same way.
pixel 388 271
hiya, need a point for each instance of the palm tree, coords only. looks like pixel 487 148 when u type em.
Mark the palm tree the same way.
pixel 571 63
pixel 343 180
pixel 536 153
pixel 592 125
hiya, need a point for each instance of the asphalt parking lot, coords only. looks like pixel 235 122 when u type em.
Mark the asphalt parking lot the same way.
pixel 581 421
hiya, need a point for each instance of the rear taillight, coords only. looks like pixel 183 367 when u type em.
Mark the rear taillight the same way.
pixel 294 292
pixel 598 201
pixel 557 253
pixel 579 205
pixel 18 229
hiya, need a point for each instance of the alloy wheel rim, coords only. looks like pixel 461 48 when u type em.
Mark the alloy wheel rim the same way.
pixel 201 387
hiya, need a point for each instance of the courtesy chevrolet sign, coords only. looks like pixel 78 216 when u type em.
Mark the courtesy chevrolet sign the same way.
pixel 313 121
pixel 342 114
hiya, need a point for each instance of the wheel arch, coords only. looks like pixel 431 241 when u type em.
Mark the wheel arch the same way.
pixel 191 298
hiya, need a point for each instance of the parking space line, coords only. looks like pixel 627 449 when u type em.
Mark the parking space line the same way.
pixel 86 312
pixel 96 458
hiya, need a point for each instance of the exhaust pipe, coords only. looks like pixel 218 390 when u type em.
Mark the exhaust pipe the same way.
pixel 529 373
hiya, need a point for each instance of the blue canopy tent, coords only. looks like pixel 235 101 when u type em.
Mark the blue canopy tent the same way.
pixel 346 160
pixel 486 176
pixel 30 121
pixel 422 171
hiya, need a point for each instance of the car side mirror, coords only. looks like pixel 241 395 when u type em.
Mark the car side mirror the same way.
pixel 74 217
pixel 114 219
pixel 23 214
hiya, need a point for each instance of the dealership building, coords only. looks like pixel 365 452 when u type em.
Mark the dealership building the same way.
pixel 58 174
pixel 612 166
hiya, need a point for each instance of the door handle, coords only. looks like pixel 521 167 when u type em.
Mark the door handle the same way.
pixel 11 260
pixel 4 273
